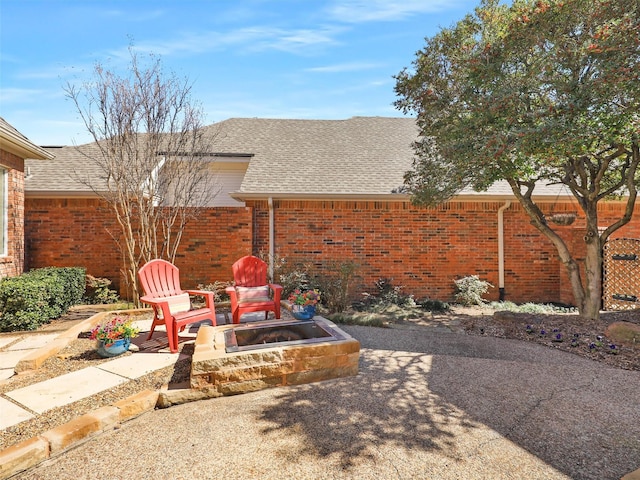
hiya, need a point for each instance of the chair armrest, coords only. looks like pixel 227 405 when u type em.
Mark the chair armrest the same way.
pixel 233 294
pixel 208 296
pixel 154 300
pixel 159 304
pixel 277 291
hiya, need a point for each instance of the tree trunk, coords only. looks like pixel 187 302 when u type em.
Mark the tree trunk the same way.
pixel 592 301
pixel 587 297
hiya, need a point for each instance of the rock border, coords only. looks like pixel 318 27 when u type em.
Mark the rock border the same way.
pixel 25 455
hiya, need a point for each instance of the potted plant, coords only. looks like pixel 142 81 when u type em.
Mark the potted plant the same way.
pixel 303 303
pixel 114 336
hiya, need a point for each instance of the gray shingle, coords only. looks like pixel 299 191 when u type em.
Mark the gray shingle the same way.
pixel 359 156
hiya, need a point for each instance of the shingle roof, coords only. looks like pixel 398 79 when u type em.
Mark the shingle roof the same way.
pixel 66 174
pixel 357 157
pixel 361 155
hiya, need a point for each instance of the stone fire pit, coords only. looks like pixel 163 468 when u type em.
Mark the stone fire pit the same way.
pixel 285 353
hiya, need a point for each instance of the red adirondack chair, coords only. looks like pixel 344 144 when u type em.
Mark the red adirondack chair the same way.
pixel 251 292
pixel 160 281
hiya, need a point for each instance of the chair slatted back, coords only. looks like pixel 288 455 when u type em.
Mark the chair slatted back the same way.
pixel 250 271
pixel 160 278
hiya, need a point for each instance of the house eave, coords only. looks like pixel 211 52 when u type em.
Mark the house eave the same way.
pixel 60 194
pixel 390 197
pixel 19 146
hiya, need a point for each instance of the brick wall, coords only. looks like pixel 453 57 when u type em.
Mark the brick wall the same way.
pixel 80 232
pixel 424 250
pixel 65 232
pixel 13 262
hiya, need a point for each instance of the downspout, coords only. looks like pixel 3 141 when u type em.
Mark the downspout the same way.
pixel 272 248
pixel 501 248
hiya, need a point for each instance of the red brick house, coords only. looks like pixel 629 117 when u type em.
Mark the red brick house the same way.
pixel 14 148
pixel 321 192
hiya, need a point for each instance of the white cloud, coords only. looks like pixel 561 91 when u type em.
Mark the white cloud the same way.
pixel 19 95
pixel 358 11
pixel 249 39
pixel 346 67
pixel 140 16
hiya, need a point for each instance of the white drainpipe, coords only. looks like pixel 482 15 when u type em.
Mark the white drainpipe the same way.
pixel 501 248
pixel 272 248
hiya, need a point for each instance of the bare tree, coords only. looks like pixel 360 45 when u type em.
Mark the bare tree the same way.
pixel 149 155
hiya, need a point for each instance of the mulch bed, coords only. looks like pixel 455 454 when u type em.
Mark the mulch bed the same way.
pixel 566 332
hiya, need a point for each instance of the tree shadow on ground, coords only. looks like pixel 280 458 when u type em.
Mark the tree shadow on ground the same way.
pixel 423 391
pixel 355 419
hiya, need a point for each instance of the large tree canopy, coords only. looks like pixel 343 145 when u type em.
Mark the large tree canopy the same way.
pixel 538 91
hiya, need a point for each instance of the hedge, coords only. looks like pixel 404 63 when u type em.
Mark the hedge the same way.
pixel 35 298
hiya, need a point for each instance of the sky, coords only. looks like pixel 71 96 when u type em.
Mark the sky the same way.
pixel 298 59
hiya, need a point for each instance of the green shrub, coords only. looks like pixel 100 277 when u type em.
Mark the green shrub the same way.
pixel 218 288
pixel 469 290
pixel 290 275
pixel 34 298
pixel 98 292
pixel 540 308
pixel 335 283
pixel 437 306
pixel 385 294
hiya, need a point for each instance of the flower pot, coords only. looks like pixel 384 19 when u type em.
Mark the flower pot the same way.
pixel 118 347
pixel 303 312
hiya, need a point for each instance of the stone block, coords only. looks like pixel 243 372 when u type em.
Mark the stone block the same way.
pixel 315 363
pixel 626 333
pixel 236 388
pixel 23 456
pixel 311 376
pixel 106 417
pixel 322 349
pixel 36 358
pixel 632 475
pixel 62 437
pixel 251 372
pixel 137 404
pixel 167 398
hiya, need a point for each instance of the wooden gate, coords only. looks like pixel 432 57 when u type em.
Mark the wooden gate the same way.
pixel 621 287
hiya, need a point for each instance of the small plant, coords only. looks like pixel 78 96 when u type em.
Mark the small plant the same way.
pixel 117 328
pixel 309 297
pixel 336 283
pixel 433 305
pixel 98 292
pixel 289 274
pixel 541 308
pixel 218 288
pixel 575 340
pixel 469 290
pixel 386 294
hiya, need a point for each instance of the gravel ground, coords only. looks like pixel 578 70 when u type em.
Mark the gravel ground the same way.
pixel 80 354
pixel 77 355
pixel 426 404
